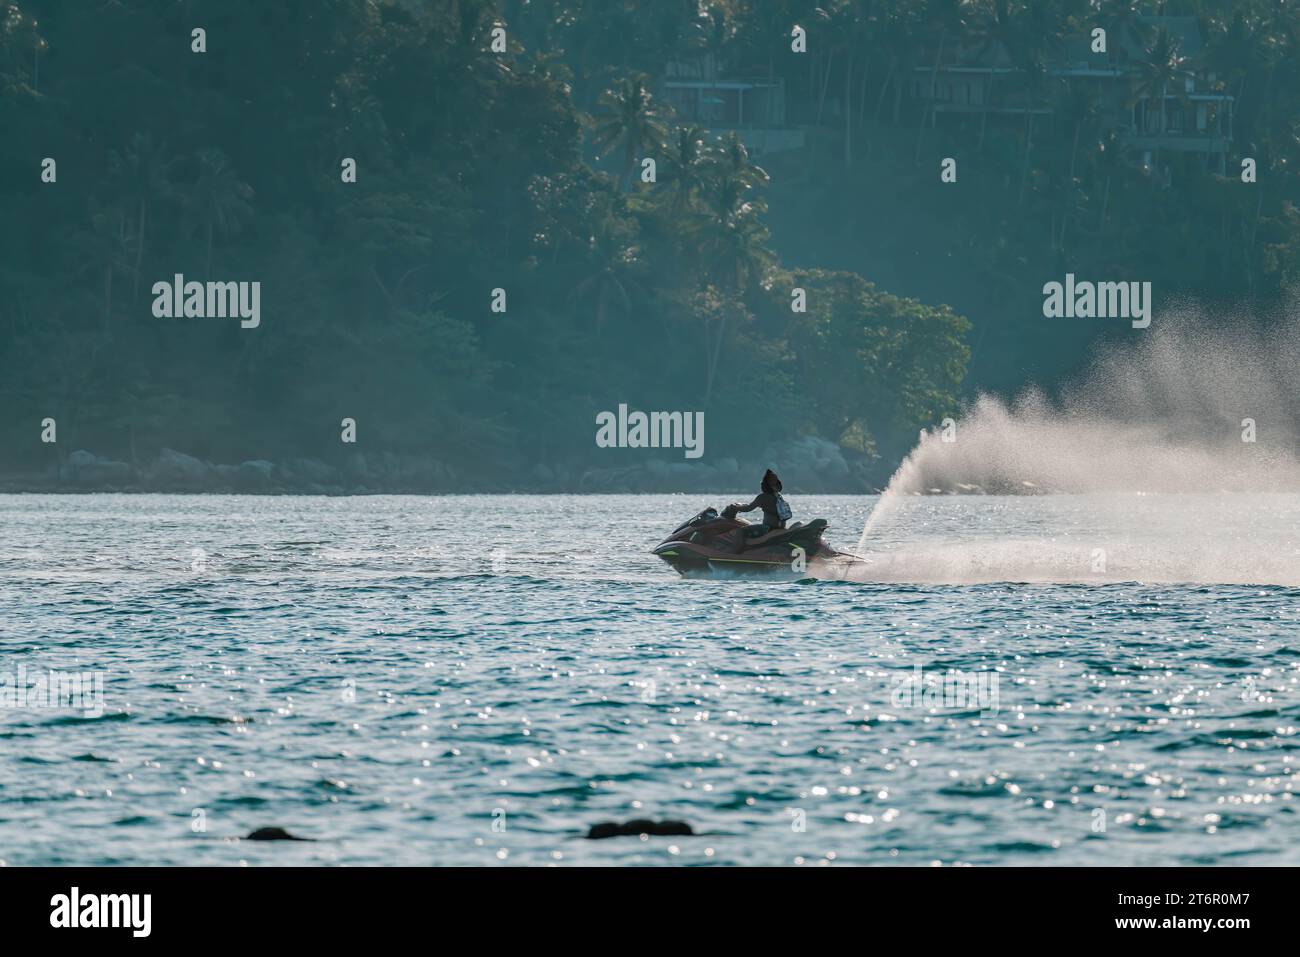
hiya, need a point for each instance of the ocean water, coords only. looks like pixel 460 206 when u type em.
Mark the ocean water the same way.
pixel 479 679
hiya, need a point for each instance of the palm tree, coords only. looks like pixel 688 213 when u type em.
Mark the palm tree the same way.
pixel 467 25
pixel 1280 29
pixel 736 246
pixel 1163 67
pixel 737 250
pixel 998 29
pixel 1109 163
pixel 219 198
pixel 1233 50
pixel 143 177
pixel 629 117
pixel 612 257
pixel 685 168
pixel 993 23
pixel 762 27
pixel 1042 25
pixel 1122 19
pixel 894 33
pixel 948 17
pixel 1080 108
pixel 865 26
pixel 728 163
pixel 1035 83
pixel 818 17
pixel 461 30
pixel 106 247
pixel 734 242
pixel 18 36
pixel 856 24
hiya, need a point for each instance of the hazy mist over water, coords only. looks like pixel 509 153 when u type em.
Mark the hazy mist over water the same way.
pixel 1199 404
pixel 391 675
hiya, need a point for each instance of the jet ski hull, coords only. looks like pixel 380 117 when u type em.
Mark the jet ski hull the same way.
pixel 692 560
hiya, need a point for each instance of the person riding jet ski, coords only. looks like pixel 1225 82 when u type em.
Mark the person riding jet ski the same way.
pixel 710 544
pixel 776 510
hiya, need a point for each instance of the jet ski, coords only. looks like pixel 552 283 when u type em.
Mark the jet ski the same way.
pixel 712 543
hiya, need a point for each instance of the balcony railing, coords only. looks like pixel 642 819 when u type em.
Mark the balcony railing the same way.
pixel 1175 141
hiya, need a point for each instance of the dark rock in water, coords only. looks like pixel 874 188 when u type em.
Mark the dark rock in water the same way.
pixel 273 834
pixel 635 828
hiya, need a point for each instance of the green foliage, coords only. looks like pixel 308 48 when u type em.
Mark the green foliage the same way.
pixel 872 364
pixel 1038 193
pixel 476 171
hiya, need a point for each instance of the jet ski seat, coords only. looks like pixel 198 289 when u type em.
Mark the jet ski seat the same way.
pixel 770 536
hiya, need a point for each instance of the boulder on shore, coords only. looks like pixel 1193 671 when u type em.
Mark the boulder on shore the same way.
pixel 809 464
pixel 86 468
pixel 178 469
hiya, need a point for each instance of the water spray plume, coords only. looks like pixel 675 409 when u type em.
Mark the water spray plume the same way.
pixel 1197 405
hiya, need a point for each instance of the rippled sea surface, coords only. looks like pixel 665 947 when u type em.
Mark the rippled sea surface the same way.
pixel 478 680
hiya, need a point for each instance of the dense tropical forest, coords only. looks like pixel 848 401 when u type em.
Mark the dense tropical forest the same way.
pixel 500 270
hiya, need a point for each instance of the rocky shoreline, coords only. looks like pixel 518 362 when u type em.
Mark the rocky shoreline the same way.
pixel 807 465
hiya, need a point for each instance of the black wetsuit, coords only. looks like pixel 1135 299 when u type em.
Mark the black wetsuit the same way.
pixel 767 502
